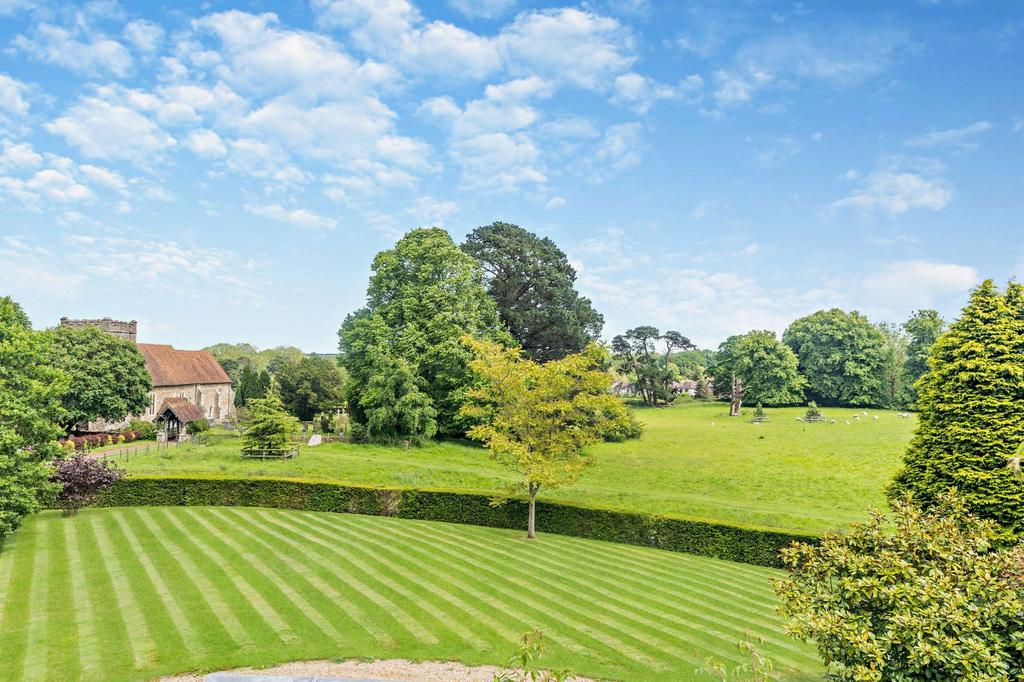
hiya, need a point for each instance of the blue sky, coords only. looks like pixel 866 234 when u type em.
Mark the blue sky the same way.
pixel 225 171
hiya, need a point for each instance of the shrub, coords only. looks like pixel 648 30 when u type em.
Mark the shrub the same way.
pixel 268 426
pixel 79 442
pixel 144 430
pixel 938 599
pixel 357 433
pixel 523 666
pixel 623 429
pixel 81 479
pixel 735 543
pixel 197 427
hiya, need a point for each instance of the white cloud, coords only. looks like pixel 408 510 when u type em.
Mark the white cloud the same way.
pixel 110 130
pixel 569 45
pixel 144 35
pixel 427 210
pixel 300 217
pixel 207 144
pixel 964 138
pixel 487 9
pixel 640 93
pixel 499 162
pixel 18 155
pixel 395 31
pixel 621 148
pixel 104 176
pixel 898 186
pixel 94 55
pixel 920 282
pixel 50 184
pixel 555 202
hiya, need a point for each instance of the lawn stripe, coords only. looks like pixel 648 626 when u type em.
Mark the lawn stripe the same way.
pixel 445 619
pixel 409 623
pixel 428 560
pixel 17 604
pixel 272 615
pixel 140 640
pixel 225 601
pixel 697 617
pixel 9 596
pixel 183 626
pixel 326 595
pixel 61 635
pixel 89 645
pixel 586 626
pixel 278 581
pixel 627 626
pixel 34 664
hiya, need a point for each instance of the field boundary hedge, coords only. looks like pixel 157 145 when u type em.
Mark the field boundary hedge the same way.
pixel 721 541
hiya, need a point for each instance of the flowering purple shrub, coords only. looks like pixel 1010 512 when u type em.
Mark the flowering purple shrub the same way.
pixel 82 478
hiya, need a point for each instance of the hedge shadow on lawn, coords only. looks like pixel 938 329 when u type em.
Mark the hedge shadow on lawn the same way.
pixel 722 541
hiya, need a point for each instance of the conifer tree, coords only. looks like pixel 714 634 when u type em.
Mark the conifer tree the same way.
pixel 971 406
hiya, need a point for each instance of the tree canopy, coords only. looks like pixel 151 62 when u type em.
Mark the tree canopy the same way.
pixel 766 366
pixel 536 418
pixel 30 405
pixel 840 355
pixel 251 384
pixel 424 295
pixel 235 357
pixel 310 385
pixel 108 375
pixel 12 313
pixel 923 329
pixel 533 285
pixel 650 367
pixel 970 407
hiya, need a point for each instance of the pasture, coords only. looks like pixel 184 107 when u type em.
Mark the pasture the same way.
pixel 133 593
pixel 692 461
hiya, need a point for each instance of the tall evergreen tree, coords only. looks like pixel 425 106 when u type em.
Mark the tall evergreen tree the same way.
pixel 971 407
pixel 923 329
pixel 533 285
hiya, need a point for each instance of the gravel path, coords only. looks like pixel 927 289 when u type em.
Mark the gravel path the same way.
pixel 395 670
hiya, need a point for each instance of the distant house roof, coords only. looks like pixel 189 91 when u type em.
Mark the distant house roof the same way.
pixel 168 366
pixel 181 409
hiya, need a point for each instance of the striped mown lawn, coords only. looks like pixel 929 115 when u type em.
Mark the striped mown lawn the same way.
pixel 116 594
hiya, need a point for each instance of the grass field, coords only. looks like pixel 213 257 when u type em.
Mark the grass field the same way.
pixel 118 594
pixel 692 461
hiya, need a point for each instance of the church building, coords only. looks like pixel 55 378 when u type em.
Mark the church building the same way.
pixel 179 377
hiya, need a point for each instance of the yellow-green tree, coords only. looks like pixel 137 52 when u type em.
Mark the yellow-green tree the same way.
pixel 537 418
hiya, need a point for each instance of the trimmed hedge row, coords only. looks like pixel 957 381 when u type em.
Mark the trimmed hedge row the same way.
pixel 735 543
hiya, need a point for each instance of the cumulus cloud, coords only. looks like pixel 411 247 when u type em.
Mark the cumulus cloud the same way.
pixel 300 217
pixel 394 30
pixel 640 93
pixel 899 186
pixel 921 282
pixel 206 143
pixel 92 54
pixel 106 129
pixel 144 35
pixel 963 138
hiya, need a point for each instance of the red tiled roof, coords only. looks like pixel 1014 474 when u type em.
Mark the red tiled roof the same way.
pixel 168 366
pixel 183 410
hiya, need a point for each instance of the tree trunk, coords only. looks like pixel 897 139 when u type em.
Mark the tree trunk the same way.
pixel 531 524
pixel 736 405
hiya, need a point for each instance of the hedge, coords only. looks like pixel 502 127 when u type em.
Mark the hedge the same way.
pixel 735 543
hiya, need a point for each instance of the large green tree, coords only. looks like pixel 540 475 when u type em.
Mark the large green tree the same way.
pixel 840 355
pixel 310 385
pixel 923 329
pixel 766 366
pixel 30 405
pixel 971 408
pixel 424 295
pixel 108 375
pixel 251 384
pixel 11 312
pixel 533 285
pixel 645 354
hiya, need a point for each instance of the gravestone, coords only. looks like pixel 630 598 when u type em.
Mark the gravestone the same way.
pixel 315 440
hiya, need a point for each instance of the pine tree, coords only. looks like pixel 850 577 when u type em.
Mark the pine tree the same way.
pixel 971 406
